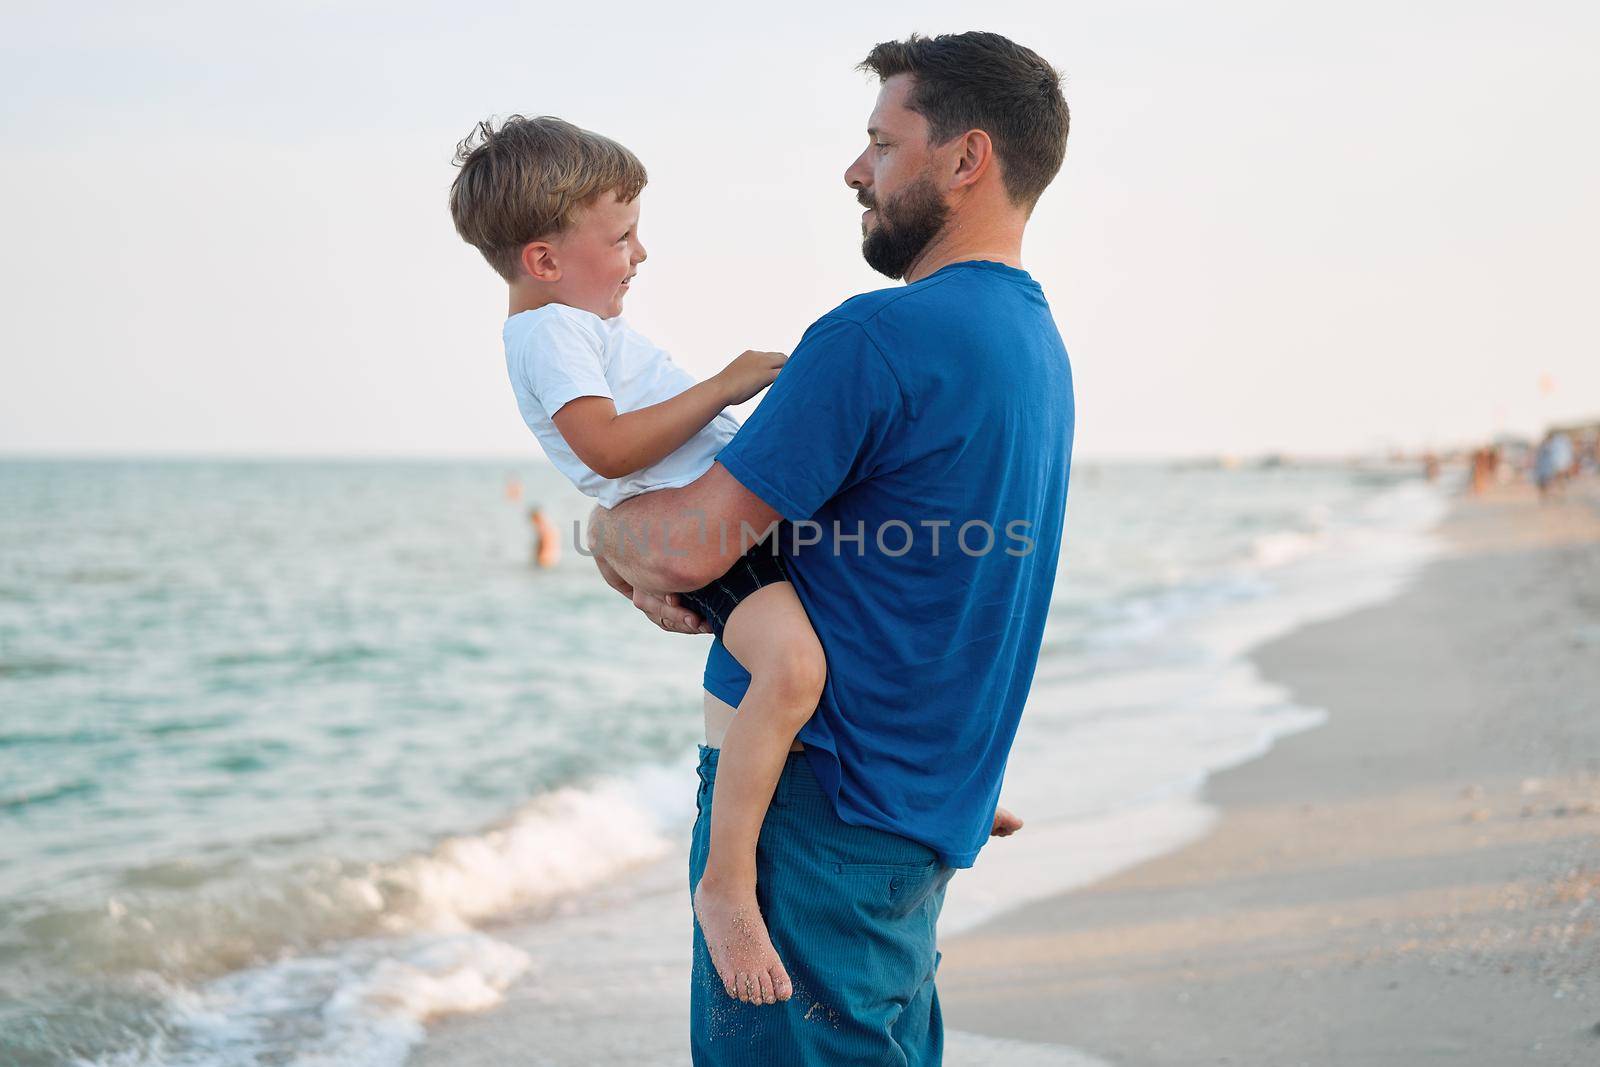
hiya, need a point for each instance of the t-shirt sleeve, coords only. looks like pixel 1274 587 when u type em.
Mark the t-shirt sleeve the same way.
pixel 563 360
pixel 827 423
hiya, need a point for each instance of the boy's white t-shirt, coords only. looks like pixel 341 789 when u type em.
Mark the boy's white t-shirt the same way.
pixel 558 353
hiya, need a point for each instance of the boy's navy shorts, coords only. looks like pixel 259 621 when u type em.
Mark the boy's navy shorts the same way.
pixel 853 912
pixel 715 601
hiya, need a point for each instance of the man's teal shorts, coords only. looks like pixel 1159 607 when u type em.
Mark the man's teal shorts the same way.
pixel 852 912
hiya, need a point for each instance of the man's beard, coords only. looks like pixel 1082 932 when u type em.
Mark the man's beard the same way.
pixel 907 223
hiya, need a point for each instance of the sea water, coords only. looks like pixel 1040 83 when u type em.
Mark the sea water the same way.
pixel 283 742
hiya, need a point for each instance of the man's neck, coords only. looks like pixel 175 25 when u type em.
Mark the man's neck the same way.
pixel 957 245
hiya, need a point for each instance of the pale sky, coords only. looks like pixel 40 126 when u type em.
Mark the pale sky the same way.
pixel 1278 227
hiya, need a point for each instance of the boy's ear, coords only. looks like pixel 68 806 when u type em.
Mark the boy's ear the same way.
pixel 539 261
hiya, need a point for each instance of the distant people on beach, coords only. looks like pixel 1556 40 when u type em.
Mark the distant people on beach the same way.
pixel 546 545
pixel 1485 467
pixel 1563 455
pixel 1553 464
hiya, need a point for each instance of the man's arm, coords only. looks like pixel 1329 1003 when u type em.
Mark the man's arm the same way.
pixel 612 578
pixel 838 395
pixel 680 539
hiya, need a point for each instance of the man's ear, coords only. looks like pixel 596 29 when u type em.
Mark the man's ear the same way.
pixel 975 158
pixel 539 261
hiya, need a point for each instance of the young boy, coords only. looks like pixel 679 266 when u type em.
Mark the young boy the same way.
pixel 554 209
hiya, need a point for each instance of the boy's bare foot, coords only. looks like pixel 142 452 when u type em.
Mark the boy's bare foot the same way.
pixel 742 952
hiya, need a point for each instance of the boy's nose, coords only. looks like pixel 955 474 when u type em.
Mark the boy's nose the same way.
pixel 639 254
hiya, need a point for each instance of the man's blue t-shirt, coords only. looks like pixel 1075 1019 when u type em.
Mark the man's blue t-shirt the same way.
pixel 935 421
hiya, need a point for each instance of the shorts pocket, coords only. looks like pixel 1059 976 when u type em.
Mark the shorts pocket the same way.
pixel 866 848
pixel 892 890
pixel 913 869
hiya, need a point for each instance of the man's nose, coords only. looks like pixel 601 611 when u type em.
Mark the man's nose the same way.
pixel 857 175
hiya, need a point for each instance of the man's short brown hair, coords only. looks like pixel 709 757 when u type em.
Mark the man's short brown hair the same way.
pixel 983 81
pixel 527 179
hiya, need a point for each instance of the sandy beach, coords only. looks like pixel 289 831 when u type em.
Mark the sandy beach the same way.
pixel 1417 881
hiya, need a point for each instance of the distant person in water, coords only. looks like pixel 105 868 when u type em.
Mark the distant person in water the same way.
pixel 546 545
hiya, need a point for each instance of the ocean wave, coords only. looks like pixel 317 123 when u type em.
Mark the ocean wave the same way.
pixel 559 843
pixel 35 667
pixel 343 963
pixel 365 1005
pixel 40 795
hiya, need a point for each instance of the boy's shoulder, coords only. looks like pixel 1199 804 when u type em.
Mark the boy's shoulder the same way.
pixel 556 324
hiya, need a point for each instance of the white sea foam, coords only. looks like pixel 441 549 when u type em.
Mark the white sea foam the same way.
pixel 364 1001
pixel 559 844
pixel 363 1005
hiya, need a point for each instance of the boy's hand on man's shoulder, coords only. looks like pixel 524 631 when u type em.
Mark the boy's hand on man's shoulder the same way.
pixel 749 373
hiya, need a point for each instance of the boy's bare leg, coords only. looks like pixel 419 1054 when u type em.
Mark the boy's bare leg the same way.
pixel 769 634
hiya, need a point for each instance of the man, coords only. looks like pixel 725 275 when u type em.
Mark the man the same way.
pixel 918 444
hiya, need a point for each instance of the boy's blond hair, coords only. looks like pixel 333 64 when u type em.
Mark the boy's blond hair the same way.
pixel 527 179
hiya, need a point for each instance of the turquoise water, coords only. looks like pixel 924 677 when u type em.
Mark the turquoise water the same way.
pixel 255 713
